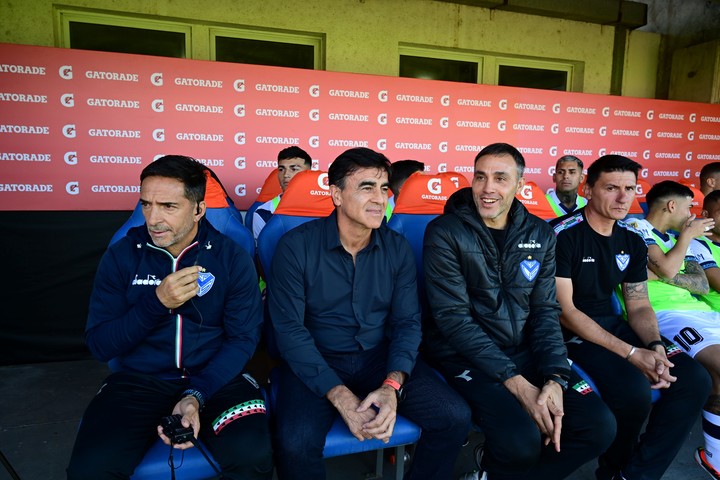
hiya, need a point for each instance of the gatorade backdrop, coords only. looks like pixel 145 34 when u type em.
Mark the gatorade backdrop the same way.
pixel 77 127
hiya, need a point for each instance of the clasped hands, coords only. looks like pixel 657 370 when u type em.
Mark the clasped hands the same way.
pixel 373 417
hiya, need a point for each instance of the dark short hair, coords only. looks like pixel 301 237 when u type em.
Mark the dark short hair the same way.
pixel 665 190
pixel 401 170
pixel 611 163
pixel 504 149
pixel 569 158
pixel 185 169
pixel 355 159
pixel 709 170
pixel 295 152
pixel 711 199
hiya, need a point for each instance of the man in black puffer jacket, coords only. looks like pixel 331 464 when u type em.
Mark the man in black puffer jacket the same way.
pixel 495 331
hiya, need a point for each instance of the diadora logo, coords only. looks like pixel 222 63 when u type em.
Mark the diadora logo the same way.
pixel 151 280
pixel 71 158
pixel 69 131
pixel 503 104
pixel 159 135
pixel 323 181
pixel 239 110
pixel 382 144
pixel 314 141
pixel 66 72
pixel 434 185
pixel 314 114
pixel 239 85
pixel 158 105
pixel 444 122
pixel 240 163
pixel 588 260
pixel 67 100
pixel 526 192
pixel 383 95
pixel 72 188
pixel 530 244
pixel 241 190
pixel 382 118
pixel 443 147
pixel 314 91
pixel 240 138
pixel 156 79
pixel 445 100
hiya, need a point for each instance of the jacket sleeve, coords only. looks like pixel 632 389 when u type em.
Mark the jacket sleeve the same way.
pixel 405 333
pixel 115 326
pixel 544 330
pixel 450 304
pixel 286 302
pixel 242 321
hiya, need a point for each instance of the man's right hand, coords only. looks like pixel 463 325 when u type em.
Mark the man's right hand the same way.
pixel 346 403
pixel 655 366
pixel 179 287
pixel 528 396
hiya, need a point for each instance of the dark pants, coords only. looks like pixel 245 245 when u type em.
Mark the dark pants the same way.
pixel 303 419
pixel 513 443
pixel 121 422
pixel 627 392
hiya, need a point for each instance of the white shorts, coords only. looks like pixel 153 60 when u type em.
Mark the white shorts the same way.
pixel 692 331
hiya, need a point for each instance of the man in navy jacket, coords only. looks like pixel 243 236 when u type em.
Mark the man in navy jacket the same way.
pixel 176 311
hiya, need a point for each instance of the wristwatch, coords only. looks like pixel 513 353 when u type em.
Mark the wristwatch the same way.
pixel 399 391
pixel 559 380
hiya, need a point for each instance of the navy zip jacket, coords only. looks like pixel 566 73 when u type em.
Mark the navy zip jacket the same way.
pixel 209 339
pixel 488 306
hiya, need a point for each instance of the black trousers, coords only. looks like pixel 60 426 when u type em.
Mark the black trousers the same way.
pixel 627 392
pixel 121 422
pixel 513 443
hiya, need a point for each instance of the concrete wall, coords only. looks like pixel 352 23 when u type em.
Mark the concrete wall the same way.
pixel 363 35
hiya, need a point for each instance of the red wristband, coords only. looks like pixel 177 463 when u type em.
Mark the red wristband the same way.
pixel 393 384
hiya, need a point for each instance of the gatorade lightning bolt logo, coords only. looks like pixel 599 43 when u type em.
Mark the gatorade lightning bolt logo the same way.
pixel 582 387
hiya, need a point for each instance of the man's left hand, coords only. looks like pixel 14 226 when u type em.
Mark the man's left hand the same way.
pixel 188 408
pixel 385 400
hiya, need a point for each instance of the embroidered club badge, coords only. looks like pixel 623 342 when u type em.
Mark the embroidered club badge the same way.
pixel 205 282
pixel 530 269
pixel 622 260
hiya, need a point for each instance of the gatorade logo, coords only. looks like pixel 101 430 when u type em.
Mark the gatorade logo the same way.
pixel 239 110
pixel 314 141
pixel 314 114
pixel 555 128
pixel 159 134
pixel 67 100
pixel 503 104
pixel 72 188
pixel 240 190
pixel 240 163
pixel 603 131
pixel 383 95
pixel 314 91
pixel 69 131
pixel 556 108
pixel 602 151
pixel 323 182
pixel 526 192
pixel 443 147
pixel 646 155
pixel 606 111
pixel 240 138
pixel 553 152
pixel 157 105
pixel 692 117
pixel 382 144
pixel 434 186
pixel 644 173
pixel 66 72
pixel 688 156
pixel 71 158
pixel 382 118
pixel 239 85
pixel 648 133
pixel 502 124
pixel 157 79
pixel 445 100
pixel 650 114
pixel 686 173
pixel 444 122
pixel 442 168
pixel 691 135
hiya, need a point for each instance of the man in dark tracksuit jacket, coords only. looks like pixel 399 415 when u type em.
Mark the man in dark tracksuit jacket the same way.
pixel 176 311
pixel 495 332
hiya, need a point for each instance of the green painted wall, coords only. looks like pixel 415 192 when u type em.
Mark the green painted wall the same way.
pixel 363 35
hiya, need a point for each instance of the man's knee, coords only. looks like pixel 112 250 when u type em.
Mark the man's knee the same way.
pixel 516 453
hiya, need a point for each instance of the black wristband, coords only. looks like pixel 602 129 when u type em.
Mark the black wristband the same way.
pixel 652 345
pixel 191 392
